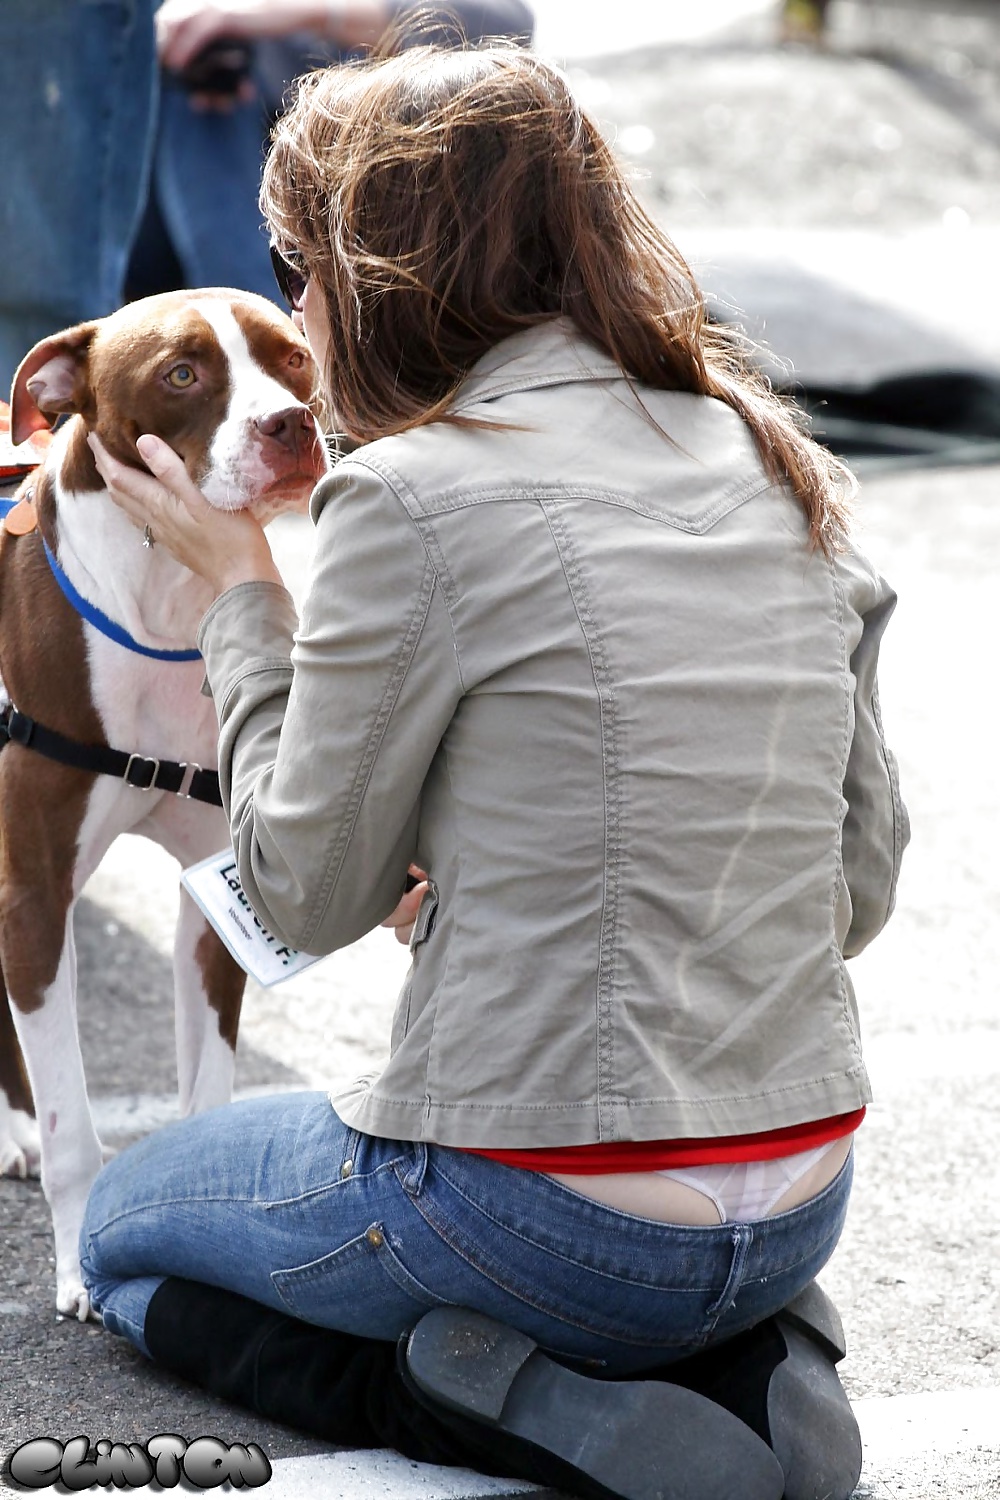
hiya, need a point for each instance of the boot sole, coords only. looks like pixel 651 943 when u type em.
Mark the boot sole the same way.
pixel 814 1432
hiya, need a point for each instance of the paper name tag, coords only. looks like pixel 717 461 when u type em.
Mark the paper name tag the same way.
pixel 214 884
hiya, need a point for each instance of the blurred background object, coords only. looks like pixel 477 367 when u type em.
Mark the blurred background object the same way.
pixel 804 21
pixel 201 225
pixel 119 182
pixel 841 203
pixel 78 91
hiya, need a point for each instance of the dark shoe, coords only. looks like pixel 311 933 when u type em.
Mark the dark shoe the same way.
pixel 780 1379
pixel 635 1440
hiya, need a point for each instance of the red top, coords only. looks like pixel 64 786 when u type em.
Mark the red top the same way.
pixel 651 1156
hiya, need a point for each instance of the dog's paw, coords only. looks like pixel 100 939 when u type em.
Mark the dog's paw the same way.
pixel 20 1147
pixel 72 1298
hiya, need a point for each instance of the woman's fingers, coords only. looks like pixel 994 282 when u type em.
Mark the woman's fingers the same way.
pixel 223 547
pixel 168 467
pixel 139 495
pixel 154 496
pixel 403 916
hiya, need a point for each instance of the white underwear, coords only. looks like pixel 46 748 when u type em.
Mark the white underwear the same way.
pixel 743 1190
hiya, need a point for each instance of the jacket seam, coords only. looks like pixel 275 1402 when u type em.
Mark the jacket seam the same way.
pixel 731 497
pixel 589 1104
pixel 427 1102
pixel 895 802
pixel 431 545
pixel 607 706
pixel 340 844
pixel 449 593
pixel 259 669
pixel 838 875
pixel 571 375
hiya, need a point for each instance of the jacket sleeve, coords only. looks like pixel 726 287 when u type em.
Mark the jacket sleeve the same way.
pixel 876 827
pixel 327 732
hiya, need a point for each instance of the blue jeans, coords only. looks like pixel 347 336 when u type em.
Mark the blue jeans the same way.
pixel 206 177
pixel 78 86
pixel 279 1200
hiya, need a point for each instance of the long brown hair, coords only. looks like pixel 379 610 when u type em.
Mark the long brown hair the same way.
pixel 445 199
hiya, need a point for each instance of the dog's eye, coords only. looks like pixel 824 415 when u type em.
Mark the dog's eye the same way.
pixel 296 360
pixel 181 376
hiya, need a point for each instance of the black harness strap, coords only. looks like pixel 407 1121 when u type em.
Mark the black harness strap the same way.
pixel 146 774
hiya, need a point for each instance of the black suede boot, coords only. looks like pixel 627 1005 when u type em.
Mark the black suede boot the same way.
pixel 780 1379
pixel 364 1393
pixel 334 1386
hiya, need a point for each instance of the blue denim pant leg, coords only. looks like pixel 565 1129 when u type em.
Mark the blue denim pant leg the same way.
pixel 254 1197
pixel 279 1200
pixel 78 85
pixel 207 170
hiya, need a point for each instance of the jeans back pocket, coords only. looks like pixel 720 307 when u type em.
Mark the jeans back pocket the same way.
pixel 361 1288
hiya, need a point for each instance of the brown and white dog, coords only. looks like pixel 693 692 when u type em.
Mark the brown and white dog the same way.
pixel 226 380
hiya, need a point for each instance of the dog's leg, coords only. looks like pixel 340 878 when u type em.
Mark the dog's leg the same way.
pixel 50 840
pixel 20 1149
pixel 208 982
pixel 44 1014
pixel 208 993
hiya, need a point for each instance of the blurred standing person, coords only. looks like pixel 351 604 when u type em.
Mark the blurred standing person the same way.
pixel 79 109
pixel 226 67
pixel 78 91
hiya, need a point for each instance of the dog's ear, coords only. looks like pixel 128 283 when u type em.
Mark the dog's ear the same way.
pixel 51 379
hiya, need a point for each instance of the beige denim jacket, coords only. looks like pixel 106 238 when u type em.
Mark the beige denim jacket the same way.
pixel 592 679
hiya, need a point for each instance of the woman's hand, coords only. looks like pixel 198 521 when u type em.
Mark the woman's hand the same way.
pixel 223 547
pixel 401 920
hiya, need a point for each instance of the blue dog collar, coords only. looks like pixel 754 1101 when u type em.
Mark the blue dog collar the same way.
pixel 97 617
pixel 104 623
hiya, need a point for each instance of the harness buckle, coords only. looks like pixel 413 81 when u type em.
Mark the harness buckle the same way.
pixel 142 786
pixel 191 769
pixel 18 726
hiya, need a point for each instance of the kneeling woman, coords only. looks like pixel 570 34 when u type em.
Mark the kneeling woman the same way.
pixel 587 642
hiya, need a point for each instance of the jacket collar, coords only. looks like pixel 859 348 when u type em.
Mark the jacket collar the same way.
pixel 553 353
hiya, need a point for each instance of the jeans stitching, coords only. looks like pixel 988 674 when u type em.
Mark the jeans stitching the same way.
pixel 548 1249
pixel 359 1249
pixel 742 1235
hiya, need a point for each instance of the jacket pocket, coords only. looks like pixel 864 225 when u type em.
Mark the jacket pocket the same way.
pixel 363 1288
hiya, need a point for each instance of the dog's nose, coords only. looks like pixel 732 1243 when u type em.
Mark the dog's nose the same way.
pixel 290 427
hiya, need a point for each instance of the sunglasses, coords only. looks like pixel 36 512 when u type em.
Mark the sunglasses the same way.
pixel 291 275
